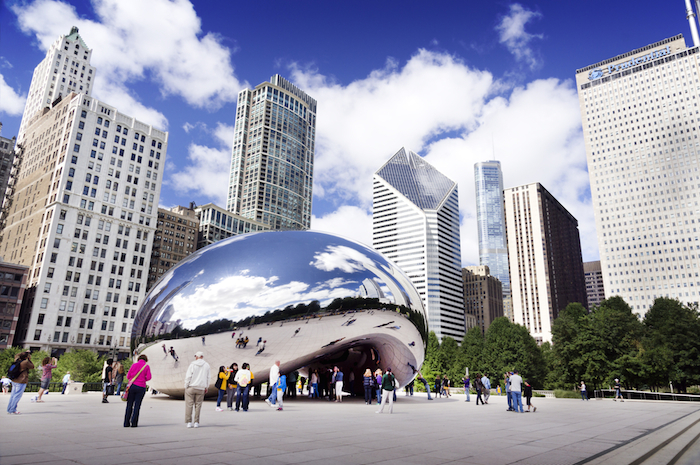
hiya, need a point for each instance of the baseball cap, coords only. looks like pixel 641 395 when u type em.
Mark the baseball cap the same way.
pixel 199 354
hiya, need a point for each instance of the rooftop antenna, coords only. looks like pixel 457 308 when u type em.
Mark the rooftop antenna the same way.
pixel 690 15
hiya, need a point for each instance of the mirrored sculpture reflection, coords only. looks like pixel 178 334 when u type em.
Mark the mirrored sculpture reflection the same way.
pixel 311 300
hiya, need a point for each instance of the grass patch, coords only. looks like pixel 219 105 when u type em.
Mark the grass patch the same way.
pixel 562 394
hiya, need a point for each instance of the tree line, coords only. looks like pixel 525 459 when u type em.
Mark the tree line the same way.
pixel 611 341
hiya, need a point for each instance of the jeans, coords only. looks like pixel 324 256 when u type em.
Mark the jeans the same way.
pixel 315 388
pixel 220 397
pixel 379 395
pixel 517 400
pixel 65 386
pixel 584 395
pixel 242 397
pixel 15 396
pixel 273 394
pixel 119 388
pixel 230 395
pixel 466 391
pixel 509 396
pixel 133 405
pixel 387 395
pixel 368 394
pixel 427 388
pixel 478 397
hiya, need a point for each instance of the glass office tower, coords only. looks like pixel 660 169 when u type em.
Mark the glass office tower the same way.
pixel 493 252
pixel 416 225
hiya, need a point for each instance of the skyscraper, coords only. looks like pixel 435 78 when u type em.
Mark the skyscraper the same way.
pixel 544 252
pixel 595 287
pixel 490 218
pixel 7 158
pixel 65 69
pixel 483 295
pixel 82 215
pixel 272 159
pixel 640 123
pixel 416 225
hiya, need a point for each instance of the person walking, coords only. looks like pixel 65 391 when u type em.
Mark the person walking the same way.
pixel 388 385
pixel 107 379
pixel 231 386
pixel 274 377
pixel 509 397
pixel 479 388
pixel 19 381
pixel 584 393
pixel 527 392
pixel 220 385
pixel 137 377
pixel 438 386
pixel 47 367
pixel 446 386
pixel 486 383
pixel 618 391
pixel 516 383
pixel 243 379
pixel 66 381
pixel 281 388
pixel 196 385
pixel 6 383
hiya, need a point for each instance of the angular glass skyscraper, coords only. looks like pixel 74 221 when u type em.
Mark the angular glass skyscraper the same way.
pixel 272 160
pixel 493 251
pixel 416 225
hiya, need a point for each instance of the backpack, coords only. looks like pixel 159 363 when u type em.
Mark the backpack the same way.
pixel 15 370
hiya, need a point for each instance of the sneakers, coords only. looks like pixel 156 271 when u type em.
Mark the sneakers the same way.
pixel 267 401
pixel 196 425
pixel 189 425
pixel 534 409
pixel 16 412
pixel 105 401
pixel 279 409
pixel 219 409
pixel 230 409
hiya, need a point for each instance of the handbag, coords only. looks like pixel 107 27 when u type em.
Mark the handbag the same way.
pixel 125 393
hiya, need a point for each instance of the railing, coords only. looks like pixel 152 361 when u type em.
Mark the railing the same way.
pixel 647 395
pixel 58 387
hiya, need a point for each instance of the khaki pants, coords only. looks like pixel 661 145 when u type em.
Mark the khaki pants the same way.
pixel 193 398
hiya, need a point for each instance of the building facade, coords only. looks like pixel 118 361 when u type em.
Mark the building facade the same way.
pixel 65 70
pixel 415 220
pixel 82 219
pixel 216 223
pixel 595 285
pixel 488 179
pixel 13 280
pixel 7 158
pixel 640 123
pixel 544 253
pixel 174 240
pixel 483 295
pixel 272 158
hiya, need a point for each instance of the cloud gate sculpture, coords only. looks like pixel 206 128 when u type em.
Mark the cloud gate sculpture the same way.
pixel 311 300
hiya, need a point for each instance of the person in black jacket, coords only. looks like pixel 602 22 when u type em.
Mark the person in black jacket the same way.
pixel 527 392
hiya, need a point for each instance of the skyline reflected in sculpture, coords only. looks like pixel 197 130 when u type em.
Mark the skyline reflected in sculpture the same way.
pixel 356 308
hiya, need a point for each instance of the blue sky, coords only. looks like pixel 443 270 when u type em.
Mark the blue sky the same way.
pixel 456 82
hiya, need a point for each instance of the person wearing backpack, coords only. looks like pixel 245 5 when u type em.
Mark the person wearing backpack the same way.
pixel 19 375
pixel 388 385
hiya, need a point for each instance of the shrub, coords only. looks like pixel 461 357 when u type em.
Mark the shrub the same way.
pixel 563 394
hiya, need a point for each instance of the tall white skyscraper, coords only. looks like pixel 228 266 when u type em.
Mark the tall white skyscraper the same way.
pixel 640 123
pixel 81 215
pixel 272 159
pixel 544 254
pixel 416 225
pixel 65 69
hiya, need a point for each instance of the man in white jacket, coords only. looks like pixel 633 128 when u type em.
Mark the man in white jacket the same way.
pixel 274 377
pixel 196 384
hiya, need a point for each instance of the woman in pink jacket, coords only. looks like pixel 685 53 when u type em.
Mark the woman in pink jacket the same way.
pixel 138 375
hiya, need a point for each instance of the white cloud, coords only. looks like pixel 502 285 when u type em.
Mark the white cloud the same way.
pixel 11 103
pixel 512 33
pixel 349 221
pixel 185 62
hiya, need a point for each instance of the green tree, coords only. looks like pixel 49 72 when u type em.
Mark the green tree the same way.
pixel 672 343
pixel 84 366
pixel 472 353
pixel 511 347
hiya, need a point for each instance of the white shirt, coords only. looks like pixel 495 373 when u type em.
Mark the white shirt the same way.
pixel 66 378
pixel 516 383
pixel 243 378
pixel 198 374
pixel 274 374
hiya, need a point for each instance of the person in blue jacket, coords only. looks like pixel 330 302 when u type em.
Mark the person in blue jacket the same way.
pixel 281 388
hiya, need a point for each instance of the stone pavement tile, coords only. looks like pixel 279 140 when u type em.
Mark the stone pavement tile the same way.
pixel 260 451
pixel 17 459
pixel 59 446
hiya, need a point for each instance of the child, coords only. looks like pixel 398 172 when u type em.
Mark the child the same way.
pixel 281 387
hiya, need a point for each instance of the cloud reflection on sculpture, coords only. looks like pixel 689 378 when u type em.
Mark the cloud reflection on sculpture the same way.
pixel 302 276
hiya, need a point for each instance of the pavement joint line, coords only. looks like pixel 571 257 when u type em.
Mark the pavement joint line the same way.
pixel 684 450
pixel 633 439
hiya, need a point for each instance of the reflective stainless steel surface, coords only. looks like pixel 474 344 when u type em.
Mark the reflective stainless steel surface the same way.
pixel 316 299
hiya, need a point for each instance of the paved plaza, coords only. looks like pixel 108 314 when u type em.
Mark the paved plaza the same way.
pixel 74 429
